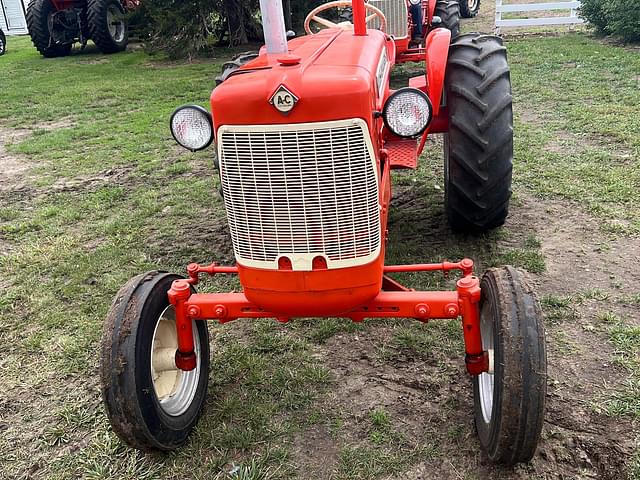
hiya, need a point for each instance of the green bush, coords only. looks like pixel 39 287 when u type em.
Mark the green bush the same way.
pixel 619 18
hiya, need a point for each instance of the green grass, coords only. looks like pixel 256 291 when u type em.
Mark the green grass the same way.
pixel 623 399
pixel 109 195
pixel 575 101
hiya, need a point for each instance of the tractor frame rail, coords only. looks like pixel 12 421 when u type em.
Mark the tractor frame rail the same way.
pixel 393 301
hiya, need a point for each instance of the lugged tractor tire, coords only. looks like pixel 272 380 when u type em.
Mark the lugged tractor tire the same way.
pixel 38 13
pixel 478 147
pixel 469 8
pixel 449 13
pixel 107 25
pixel 236 62
pixel 3 43
pixel 509 400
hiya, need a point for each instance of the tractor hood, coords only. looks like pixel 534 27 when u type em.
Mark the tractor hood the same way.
pixel 328 76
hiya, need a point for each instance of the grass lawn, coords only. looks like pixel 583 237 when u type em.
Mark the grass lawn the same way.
pixel 94 191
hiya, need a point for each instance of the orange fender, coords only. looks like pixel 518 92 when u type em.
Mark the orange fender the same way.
pixel 437 53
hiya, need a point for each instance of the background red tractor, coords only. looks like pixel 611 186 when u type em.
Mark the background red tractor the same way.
pixel 307 134
pixel 55 25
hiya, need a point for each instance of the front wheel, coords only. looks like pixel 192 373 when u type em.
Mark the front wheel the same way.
pixel 151 404
pixel 509 399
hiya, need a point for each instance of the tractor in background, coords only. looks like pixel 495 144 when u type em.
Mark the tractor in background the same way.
pixel 306 135
pixel 55 25
pixel 408 22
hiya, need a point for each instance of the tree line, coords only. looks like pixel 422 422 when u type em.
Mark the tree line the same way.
pixel 196 27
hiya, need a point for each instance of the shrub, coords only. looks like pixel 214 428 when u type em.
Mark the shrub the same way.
pixel 620 18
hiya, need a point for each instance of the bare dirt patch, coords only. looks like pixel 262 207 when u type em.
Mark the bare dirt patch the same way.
pixel 12 166
pixel 429 397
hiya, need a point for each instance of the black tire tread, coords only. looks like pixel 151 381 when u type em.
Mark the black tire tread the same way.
pixel 449 13
pixel 480 136
pixel 98 31
pixel 3 43
pixel 524 384
pixel 119 335
pixel 37 24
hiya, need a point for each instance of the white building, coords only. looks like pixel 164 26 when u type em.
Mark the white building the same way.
pixel 13 16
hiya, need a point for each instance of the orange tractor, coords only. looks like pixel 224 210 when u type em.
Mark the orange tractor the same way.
pixel 306 136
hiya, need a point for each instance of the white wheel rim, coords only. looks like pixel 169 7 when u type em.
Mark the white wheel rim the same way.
pixel 472 5
pixel 174 388
pixel 115 24
pixel 485 380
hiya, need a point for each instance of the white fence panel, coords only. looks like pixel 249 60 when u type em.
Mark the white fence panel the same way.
pixel 572 19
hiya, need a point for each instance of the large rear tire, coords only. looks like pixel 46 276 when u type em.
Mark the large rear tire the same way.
pixel 449 13
pixel 107 25
pixel 509 400
pixel 38 14
pixel 150 403
pixel 469 8
pixel 478 147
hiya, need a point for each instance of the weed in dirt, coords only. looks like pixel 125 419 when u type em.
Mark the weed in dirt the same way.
pixel 558 309
pixel 623 399
pixel 594 294
pixel 364 461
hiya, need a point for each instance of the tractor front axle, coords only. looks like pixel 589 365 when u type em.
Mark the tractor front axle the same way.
pixel 393 301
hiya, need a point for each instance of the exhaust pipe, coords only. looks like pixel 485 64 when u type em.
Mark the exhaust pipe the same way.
pixel 275 34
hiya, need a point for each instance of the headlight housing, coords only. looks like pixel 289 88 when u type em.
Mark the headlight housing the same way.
pixel 192 127
pixel 407 112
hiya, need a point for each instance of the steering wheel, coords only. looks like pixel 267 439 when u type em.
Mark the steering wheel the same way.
pixel 313 16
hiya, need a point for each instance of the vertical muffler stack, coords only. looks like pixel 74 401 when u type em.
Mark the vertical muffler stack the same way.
pixel 275 34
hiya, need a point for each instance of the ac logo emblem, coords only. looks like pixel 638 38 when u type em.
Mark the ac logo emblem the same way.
pixel 283 100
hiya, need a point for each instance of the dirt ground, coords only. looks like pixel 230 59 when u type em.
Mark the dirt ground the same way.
pixel 578 441
pixel 429 397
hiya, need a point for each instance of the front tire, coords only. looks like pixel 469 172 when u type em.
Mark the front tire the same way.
pixel 509 402
pixel 151 404
pixel 3 43
pixel 107 25
pixel 38 14
pixel 478 147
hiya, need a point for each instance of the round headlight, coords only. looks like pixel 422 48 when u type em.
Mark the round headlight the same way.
pixel 192 128
pixel 407 112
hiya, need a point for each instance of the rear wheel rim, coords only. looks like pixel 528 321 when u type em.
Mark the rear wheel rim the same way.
pixel 115 23
pixel 174 388
pixel 486 379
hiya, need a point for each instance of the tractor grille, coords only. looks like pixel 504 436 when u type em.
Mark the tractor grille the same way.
pixel 397 16
pixel 301 191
